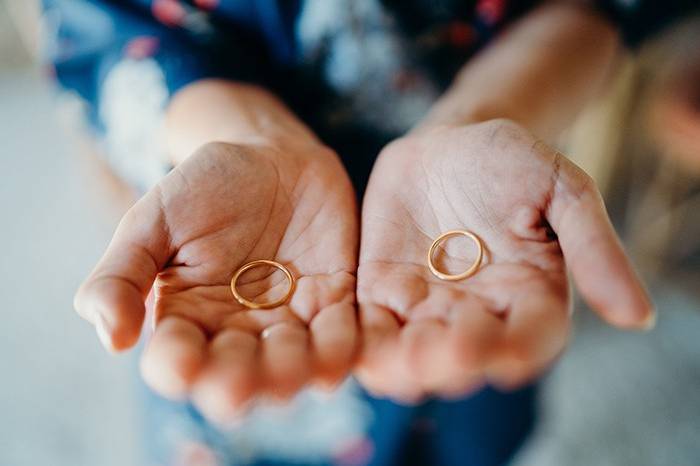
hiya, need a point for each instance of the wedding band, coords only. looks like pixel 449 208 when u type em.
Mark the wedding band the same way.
pixel 467 273
pixel 252 304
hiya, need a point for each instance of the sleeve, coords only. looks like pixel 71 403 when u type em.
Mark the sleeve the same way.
pixel 640 20
pixel 125 59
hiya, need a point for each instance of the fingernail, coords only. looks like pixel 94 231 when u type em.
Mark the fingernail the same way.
pixel 650 322
pixel 103 333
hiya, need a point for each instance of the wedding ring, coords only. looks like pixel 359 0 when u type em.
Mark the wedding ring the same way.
pixel 467 273
pixel 266 305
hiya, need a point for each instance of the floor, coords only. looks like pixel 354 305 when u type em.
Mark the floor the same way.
pixel 619 399
pixel 63 401
pixel 614 399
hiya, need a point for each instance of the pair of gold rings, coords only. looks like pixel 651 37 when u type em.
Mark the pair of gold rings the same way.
pixel 291 281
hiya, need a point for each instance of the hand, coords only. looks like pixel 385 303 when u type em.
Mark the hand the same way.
pixel 533 210
pixel 224 206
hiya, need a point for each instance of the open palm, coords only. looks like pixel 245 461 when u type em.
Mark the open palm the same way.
pixel 533 210
pixel 224 206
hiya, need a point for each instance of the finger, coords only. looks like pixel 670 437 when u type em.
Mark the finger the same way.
pixel 592 250
pixel 112 297
pixel 474 333
pixel 537 330
pixel 334 342
pixel 380 369
pixel 379 332
pixel 173 357
pixel 230 376
pixel 424 351
pixel 285 359
pixel 254 321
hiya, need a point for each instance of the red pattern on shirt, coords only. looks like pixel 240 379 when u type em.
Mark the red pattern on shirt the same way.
pixel 491 11
pixel 207 4
pixel 142 47
pixel 168 12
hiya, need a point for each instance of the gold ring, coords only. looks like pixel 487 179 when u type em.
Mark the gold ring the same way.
pixel 467 273
pixel 252 304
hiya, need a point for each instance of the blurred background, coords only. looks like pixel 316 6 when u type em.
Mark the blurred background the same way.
pixel 63 401
pixel 613 399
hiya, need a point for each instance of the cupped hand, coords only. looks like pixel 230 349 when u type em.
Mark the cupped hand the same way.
pixel 224 206
pixel 535 212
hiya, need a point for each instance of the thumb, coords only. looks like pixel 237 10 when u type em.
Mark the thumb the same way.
pixel 112 297
pixel 600 268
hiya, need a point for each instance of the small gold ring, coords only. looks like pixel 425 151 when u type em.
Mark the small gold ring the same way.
pixel 252 304
pixel 467 273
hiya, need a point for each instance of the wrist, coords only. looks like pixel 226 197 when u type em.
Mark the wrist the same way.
pixel 223 111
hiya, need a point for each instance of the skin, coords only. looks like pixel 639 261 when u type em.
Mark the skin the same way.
pixel 225 205
pixel 674 117
pixel 510 320
pixel 474 163
pixel 269 189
